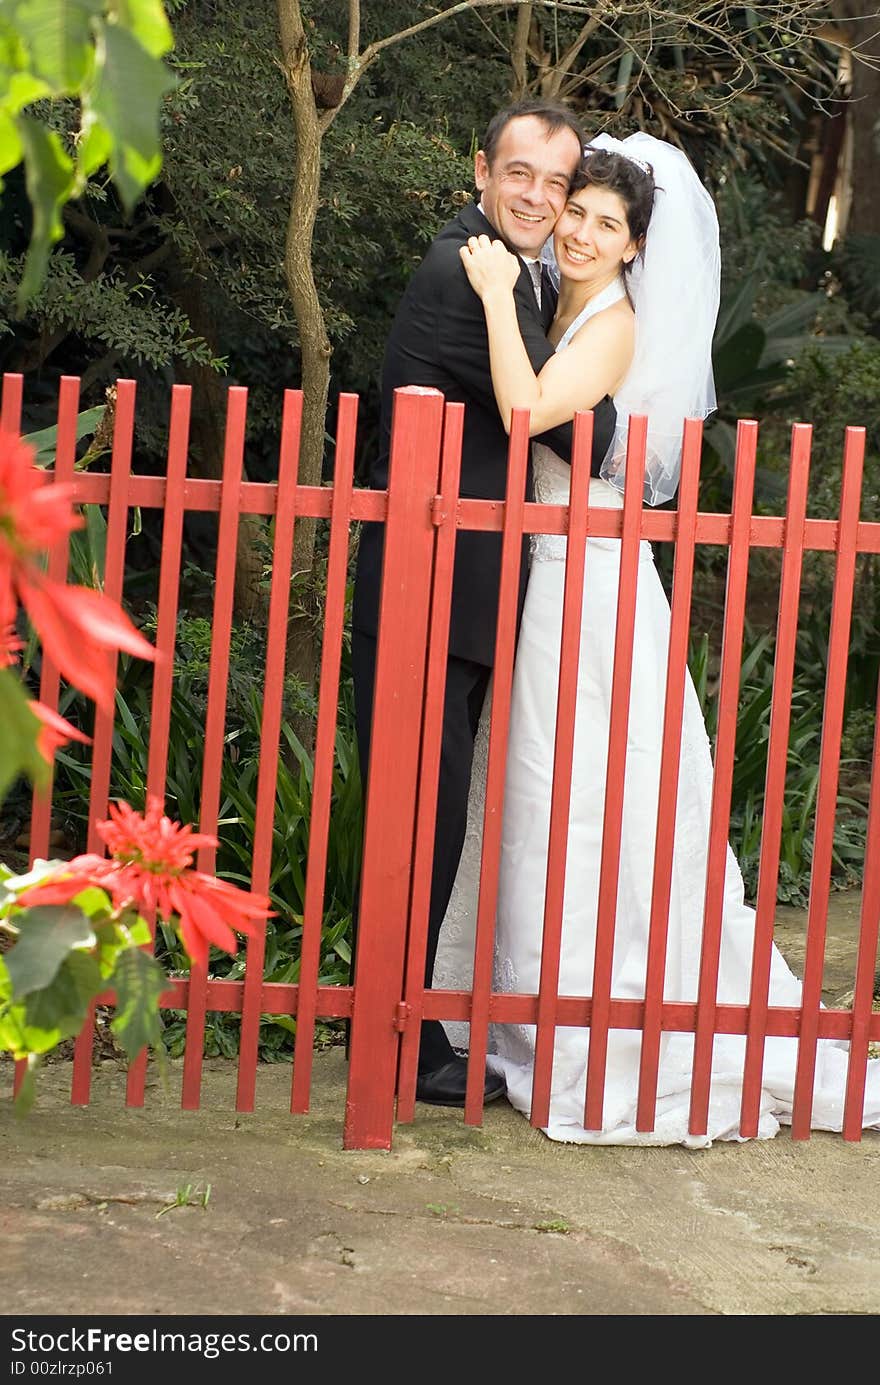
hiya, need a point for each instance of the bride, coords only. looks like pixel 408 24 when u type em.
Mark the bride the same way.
pixel 637 252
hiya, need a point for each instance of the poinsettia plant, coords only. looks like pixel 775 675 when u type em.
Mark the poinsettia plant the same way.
pixel 76 930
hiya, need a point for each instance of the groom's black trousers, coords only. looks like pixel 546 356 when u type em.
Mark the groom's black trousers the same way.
pixel 466 684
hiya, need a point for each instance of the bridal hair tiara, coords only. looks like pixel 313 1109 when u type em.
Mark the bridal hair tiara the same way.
pixel 617 146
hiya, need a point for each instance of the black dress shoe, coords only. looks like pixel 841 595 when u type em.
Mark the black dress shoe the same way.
pixel 446 1086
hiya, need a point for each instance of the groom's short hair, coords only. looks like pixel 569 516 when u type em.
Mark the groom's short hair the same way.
pixel 554 114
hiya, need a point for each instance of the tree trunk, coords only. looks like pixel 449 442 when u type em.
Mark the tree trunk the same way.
pixel 861 33
pixel 519 53
pixel 302 642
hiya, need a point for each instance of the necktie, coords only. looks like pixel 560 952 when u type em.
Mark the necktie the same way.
pixel 534 269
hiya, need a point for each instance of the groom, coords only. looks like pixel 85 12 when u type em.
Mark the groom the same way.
pixel 522 172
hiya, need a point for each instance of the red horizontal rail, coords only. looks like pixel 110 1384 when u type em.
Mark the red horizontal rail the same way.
pixel 260 498
pixel 680 1017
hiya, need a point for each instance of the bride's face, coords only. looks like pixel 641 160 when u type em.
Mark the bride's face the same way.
pixel 592 239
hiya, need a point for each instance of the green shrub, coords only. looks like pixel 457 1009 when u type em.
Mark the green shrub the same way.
pixel 237 814
pixel 801 782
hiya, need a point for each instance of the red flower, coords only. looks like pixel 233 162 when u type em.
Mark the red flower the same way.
pixel 54 730
pixel 150 869
pixel 10 645
pixel 79 627
pixel 33 515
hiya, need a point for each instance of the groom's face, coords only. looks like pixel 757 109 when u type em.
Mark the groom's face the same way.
pixel 525 187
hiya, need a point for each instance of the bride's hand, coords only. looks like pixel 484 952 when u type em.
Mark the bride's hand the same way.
pixel 489 265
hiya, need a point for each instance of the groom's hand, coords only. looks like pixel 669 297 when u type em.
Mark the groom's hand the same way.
pixel 489 266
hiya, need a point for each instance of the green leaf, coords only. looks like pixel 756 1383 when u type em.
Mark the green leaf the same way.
pixel 789 348
pixel 27 1092
pixel 10 144
pixel 47 934
pixel 49 178
pixel 738 354
pixel 12 884
pixel 94 148
pixel 45 441
pixel 147 21
pixel 64 1003
pixel 19 1038
pixel 795 316
pixel 95 904
pixel 140 931
pixel 139 981
pixel 126 100
pixel 282 1022
pixel 736 310
pixel 22 1038
pixel 96 533
pixel 23 88
pixel 58 36
pixel 19 731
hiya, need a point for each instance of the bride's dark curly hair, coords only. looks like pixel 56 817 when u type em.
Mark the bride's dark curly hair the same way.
pixel 602 168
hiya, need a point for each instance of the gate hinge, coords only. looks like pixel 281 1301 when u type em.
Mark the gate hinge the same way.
pixel 439 511
pixel 401 1016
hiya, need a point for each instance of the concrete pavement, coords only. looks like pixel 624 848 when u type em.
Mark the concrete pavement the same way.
pixel 107 1210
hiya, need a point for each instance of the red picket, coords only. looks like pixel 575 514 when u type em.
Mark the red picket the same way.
pixel 826 795
pixel 502 682
pixel 390 815
pixel 630 539
pixel 65 456
pixel 325 748
pixel 725 752
pixel 557 847
pixel 667 793
pixel 429 769
pixel 215 721
pixel 774 789
pixel 270 733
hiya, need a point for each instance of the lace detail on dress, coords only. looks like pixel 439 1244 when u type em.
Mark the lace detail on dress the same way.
pixel 553 487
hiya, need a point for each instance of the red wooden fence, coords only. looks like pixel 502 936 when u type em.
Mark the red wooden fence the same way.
pixel 422 513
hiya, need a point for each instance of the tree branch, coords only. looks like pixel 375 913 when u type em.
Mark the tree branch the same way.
pixel 39 351
pixel 358 65
pixel 354 30
pixel 147 263
pixel 95 234
pixel 105 366
pixel 572 51
pixel 519 51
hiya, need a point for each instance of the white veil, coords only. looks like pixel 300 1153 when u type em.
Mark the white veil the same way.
pixel 675 287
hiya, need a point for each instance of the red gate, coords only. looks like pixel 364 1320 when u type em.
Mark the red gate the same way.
pixel 422 513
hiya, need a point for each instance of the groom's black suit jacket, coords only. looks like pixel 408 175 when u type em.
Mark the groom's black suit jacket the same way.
pixel 439 339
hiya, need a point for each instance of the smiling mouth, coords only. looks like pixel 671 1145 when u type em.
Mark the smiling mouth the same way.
pixel 529 218
pixel 577 256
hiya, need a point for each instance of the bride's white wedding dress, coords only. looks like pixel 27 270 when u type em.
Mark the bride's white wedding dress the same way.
pixel 525 836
